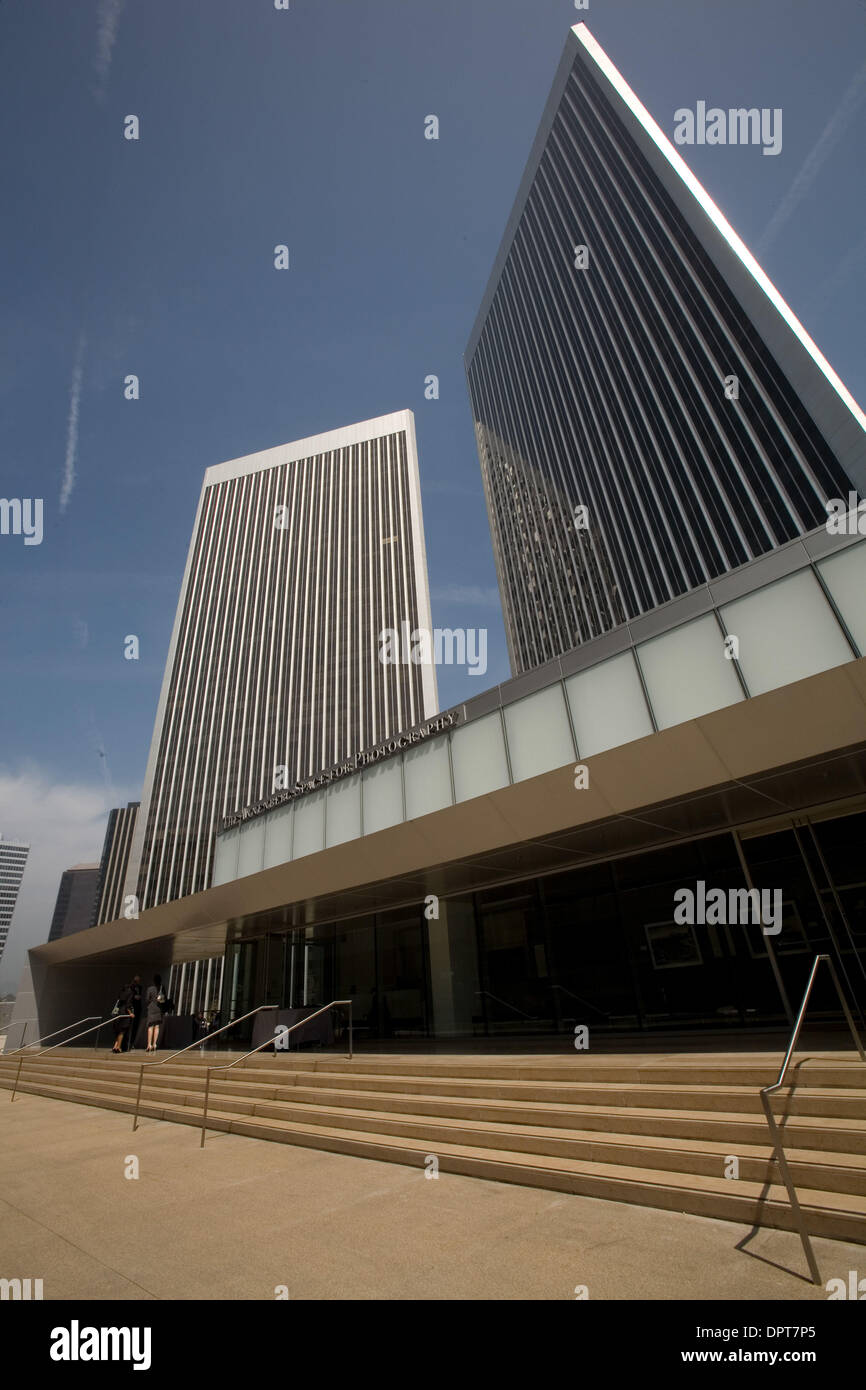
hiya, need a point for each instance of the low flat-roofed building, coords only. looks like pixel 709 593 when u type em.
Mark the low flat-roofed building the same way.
pixel 584 843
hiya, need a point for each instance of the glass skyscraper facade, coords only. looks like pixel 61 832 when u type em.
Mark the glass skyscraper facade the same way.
pixel 648 413
pixel 300 557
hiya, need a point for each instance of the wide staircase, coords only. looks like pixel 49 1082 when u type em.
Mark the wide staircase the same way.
pixel 660 1131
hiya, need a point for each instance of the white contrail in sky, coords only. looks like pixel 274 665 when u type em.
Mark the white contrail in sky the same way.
pixel 829 137
pixel 108 14
pixel 72 426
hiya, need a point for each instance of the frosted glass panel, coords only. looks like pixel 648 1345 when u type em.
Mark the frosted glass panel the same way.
pixel 845 577
pixel 787 632
pixel 309 825
pixel 343 820
pixel 252 847
pixel 428 778
pixel 278 835
pixel 478 756
pixel 539 737
pixel 225 859
pixel 687 672
pixel 607 705
pixel 383 795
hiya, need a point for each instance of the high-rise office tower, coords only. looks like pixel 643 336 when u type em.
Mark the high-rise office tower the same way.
pixel 648 411
pixel 13 858
pixel 114 862
pixel 76 900
pixel 300 557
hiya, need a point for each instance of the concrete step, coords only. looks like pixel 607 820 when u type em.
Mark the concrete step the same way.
pixel 832 1102
pixel 839 1171
pixel 725 1129
pixel 842 1102
pixel 811 1070
pixel 827 1171
pixel 825 1071
pixel 654 1131
pixel 838 1215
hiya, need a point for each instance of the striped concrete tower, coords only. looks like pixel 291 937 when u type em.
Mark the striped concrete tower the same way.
pixel 300 557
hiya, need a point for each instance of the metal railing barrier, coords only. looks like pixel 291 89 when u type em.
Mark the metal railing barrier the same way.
pixel 767 1091
pixel 269 1042
pixel 198 1043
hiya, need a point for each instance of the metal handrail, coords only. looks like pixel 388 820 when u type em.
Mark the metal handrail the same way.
pixel 25 1021
pixel 269 1042
pixel 767 1091
pixel 585 1002
pixel 512 1007
pixel 36 1043
pixel 43 1050
pixel 199 1043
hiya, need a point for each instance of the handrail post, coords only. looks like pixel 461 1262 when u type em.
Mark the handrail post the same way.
pixel 350 1030
pixel 17 1078
pixel 779 1155
pixel 138 1097
pixel 261 1008
pixel 204 1111
pixel 24 1032
pixel 268 1042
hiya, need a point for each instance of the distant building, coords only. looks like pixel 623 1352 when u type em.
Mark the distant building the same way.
pixel 13 857
pixel 114 862
pixel 76 900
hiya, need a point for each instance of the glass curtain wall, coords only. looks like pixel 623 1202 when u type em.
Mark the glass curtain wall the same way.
pixel 599 946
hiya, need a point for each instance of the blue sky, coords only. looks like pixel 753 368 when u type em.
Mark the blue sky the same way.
pixel 306 127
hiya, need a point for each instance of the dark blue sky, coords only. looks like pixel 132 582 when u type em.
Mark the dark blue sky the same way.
pixel 155 257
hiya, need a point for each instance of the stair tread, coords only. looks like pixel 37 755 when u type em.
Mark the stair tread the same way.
pixel 833 1200
pixel 289 1075
pixel 598 1138
pixel 719 1117
pixel 639 1183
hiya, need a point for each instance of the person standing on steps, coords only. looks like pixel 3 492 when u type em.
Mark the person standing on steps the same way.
pixel 154 1003
pixel 132 1033
pixel 123 1018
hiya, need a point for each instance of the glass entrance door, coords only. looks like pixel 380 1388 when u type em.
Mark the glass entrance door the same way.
pixel 316 974
pixel 307 968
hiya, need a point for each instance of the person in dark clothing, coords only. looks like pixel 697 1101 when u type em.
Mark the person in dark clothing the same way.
pixel 132 1031
pixel 123 1019
pixel 154 1008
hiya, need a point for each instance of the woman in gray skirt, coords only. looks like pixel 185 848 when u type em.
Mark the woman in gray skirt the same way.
pixel 154 1012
